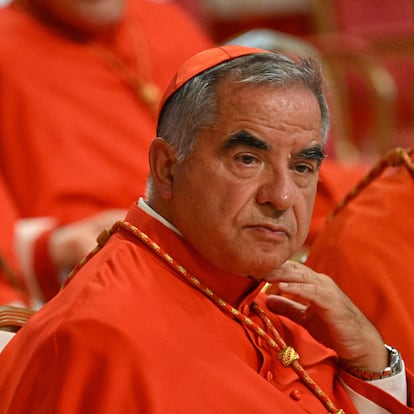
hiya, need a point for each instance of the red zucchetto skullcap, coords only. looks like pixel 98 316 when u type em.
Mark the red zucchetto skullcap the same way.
pixel 205 60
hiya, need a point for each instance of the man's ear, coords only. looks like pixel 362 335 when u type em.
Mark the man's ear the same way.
pixel 161 160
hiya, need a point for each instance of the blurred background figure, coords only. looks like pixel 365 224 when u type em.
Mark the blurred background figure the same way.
pixel 367 247
pixel 79 88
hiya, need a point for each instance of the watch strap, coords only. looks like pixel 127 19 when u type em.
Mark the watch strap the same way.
pixel 394 367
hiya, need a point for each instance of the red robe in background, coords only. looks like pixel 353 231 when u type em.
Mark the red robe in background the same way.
pixel 130 335
pixel 74 135
pixel 74 132
pixel 368 248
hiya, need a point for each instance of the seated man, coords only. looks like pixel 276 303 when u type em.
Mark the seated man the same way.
pixel 371 235
pixel 166 316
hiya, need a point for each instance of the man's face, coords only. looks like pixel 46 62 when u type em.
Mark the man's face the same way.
pixel 84 16
pixel 244 198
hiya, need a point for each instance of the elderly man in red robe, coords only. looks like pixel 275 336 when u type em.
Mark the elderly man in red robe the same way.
pixel 166 314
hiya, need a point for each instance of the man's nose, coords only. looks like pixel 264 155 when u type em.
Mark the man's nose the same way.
pixel 278 189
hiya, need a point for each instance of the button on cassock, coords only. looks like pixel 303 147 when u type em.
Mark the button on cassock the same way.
pixel 296 395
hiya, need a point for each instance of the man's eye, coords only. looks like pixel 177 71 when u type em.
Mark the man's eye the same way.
pixel 304 168
pixel 246 159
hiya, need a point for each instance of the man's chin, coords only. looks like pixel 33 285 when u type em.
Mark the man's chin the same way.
pixel 260 271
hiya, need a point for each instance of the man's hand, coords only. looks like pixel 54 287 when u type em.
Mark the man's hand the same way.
pixel 70 243
pixel 317 303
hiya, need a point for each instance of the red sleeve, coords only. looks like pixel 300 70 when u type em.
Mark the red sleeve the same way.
pixel 46 272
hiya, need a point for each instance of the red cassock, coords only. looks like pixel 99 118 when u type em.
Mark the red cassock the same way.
pixel 128 334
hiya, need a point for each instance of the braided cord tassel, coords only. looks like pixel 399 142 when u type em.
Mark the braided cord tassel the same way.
pixel 289 357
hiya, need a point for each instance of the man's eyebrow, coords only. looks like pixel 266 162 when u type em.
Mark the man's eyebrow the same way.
pixel 245 138
pixel 316 153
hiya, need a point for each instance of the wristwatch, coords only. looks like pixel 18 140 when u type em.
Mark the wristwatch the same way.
pixel 395 366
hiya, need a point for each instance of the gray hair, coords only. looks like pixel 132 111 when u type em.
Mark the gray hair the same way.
pixel 194 105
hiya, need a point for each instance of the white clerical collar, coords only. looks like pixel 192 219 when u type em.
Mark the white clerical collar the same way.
pixel 145 207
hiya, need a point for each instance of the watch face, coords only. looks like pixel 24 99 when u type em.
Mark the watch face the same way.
pixel 394 360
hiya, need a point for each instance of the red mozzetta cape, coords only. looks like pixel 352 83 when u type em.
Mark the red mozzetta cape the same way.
pixel 129 335
pixel 368 248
